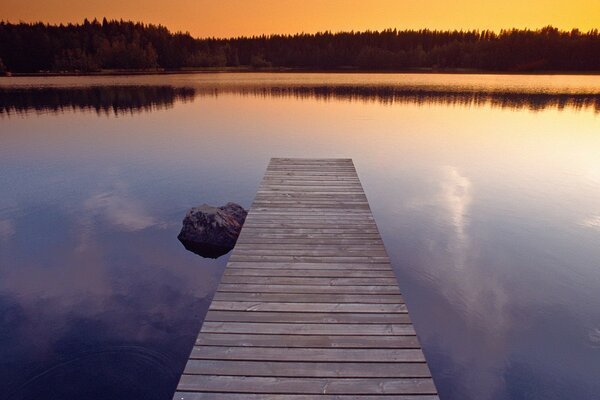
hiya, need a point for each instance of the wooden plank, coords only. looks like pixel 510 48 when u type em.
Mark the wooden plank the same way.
pixel 306 317
pixel 308 341
pixel 320 161
pixel 319 207
pixel 316 281
pixel 328 273
pixel 313 298
pixel 308 306
pixel 314 227
pixel 291 213
pixel 310 179
pixel 389 386
pixel 306 354
pixel 310 259
pixel 253 306
pixel 315 245
pixel 298 173
pixel 306 182
pixel 310 170
pixel 317 203
pixel 320 190
pixel 307 266
pixel 179 395
pixel 368 233
pixel 308 369
pixel 310 167
pixel 317 253
pixel 308 329
pixel 265 236
pixel 313 219
pixel 337 249
pixel 261 240
pixel 276 246
pixel 307 289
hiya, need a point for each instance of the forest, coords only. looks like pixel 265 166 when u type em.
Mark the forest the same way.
pixel 95 46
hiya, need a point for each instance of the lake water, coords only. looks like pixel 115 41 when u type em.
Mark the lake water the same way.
pixel 486 189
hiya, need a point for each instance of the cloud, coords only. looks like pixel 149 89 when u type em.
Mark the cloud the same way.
pixel 592 222
pixel 121 211
pixel 117 208
pixel 456 197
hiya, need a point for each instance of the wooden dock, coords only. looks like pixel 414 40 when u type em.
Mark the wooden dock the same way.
pixel 308 306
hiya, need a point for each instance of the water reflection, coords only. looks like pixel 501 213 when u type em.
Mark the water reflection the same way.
pixel 101 99
pixel 205 250
pixel 420 96
pixel 104 346
pixel 490 215
pixel 119 99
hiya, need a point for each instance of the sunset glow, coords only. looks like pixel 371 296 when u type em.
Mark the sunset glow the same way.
pixel 235 17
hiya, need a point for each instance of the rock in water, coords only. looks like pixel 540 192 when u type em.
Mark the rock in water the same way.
pixel 212 231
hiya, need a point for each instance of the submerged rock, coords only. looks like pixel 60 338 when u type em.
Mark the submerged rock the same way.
pixel 212 231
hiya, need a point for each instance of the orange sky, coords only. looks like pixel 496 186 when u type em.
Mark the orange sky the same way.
pixel 245 17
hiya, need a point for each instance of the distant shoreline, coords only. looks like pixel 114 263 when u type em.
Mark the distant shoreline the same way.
pixel 349 70
pixel 128 48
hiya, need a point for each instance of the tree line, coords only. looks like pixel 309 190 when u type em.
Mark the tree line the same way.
pixel 105 45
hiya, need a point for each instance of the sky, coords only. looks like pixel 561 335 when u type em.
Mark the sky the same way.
pixel 225 18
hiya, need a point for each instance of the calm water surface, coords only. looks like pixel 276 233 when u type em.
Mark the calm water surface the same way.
pixel 486 190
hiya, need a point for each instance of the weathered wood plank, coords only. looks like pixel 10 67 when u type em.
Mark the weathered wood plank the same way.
pixel 310 259
pixel 278 231
pixel 316 281
pixel 320 190
pixel 360 227
pixel 268 396
pixel 313 298
pixel 330 239
pixel 309 213
pixel 315 220
pixel 320 161
pixel 307 253
pixel 306 354
pixel 267 183
pixel 276 246
pixel 308 369
pixel 291 173
pixel 306 317
pixel 308 266
pixel 327 273
pixel 308 306
pixel 253 306
pixel 308 329
pixel 308 341
pixel 239 384
pixel 339 248
pixel 346 289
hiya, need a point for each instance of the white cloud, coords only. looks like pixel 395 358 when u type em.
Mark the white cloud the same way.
pixel 456 195
pixel 592 222
pixel 121 211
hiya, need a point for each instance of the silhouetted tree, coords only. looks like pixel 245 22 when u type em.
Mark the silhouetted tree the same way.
pixel 112 44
